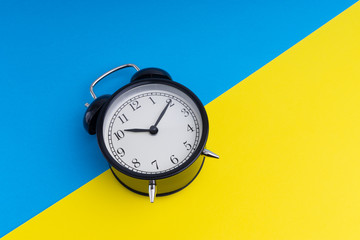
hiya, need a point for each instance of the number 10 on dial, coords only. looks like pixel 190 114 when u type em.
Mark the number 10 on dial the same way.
pixel 152 132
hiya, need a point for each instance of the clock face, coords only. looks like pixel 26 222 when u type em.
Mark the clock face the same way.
pixel 152 129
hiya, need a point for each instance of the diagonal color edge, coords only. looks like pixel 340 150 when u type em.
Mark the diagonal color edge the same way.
pixel 288 139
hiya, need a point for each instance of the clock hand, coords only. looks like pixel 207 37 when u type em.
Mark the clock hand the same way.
pixel 152 130
pixel 162 114
pixel 137 130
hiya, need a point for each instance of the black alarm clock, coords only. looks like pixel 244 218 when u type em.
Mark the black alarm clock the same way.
pixel 152 131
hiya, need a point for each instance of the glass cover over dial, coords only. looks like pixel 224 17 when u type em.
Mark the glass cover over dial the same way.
pixel 152 128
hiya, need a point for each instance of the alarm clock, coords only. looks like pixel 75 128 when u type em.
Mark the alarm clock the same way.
pixel 152 132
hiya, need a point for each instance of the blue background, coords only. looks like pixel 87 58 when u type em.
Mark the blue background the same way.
pixel 51 51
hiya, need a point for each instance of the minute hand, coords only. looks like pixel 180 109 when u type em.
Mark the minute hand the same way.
pixel 162 113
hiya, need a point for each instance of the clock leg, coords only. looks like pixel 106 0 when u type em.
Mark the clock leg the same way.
pixel 209 153
pixel 152 190
pixel 160 187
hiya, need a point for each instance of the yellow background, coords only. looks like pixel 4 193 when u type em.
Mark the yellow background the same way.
pixel 288 137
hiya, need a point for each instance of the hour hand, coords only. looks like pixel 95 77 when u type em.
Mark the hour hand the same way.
pixel 152 130
pixel 137 130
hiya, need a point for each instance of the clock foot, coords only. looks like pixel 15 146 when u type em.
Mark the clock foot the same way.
pixel 152 190
pixel 209 153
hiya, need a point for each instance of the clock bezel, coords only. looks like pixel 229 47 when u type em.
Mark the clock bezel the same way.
pixel 182 167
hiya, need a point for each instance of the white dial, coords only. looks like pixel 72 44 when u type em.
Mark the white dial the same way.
pixel 152 128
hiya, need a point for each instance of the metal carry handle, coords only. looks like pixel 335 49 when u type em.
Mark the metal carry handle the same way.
pixel 108 73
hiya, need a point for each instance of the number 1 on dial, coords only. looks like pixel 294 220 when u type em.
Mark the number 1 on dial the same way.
pixel 152 100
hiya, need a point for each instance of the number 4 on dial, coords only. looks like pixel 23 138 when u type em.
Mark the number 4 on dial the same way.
pixel 189 128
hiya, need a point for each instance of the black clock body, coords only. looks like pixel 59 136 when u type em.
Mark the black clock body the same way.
pixel 168 182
